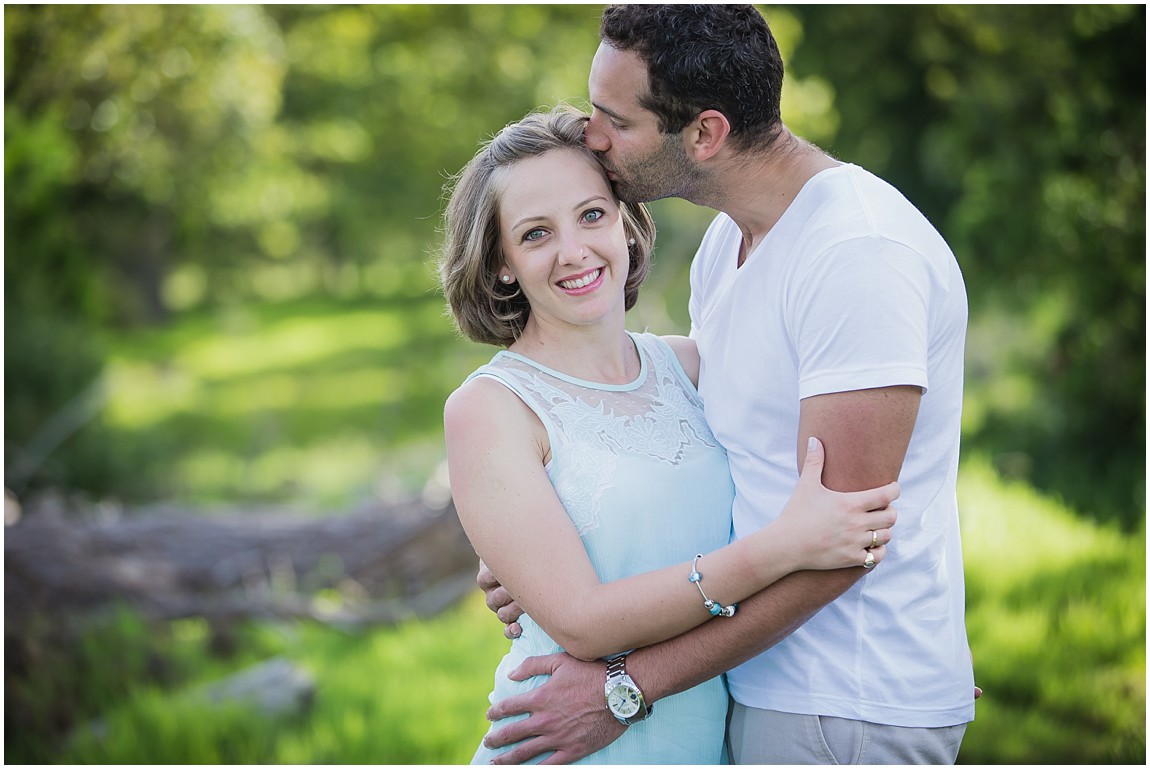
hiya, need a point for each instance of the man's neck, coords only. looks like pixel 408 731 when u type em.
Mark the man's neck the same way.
pixel 756 188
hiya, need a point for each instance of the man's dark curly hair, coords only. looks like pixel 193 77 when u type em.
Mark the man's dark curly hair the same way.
pixel 701 57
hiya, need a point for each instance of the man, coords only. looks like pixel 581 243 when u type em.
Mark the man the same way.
pixel 823 304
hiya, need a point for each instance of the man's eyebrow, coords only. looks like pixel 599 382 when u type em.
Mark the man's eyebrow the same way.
pixel 610 113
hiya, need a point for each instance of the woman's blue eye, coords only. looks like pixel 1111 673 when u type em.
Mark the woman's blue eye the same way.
pixel 593 215
pixel 533 234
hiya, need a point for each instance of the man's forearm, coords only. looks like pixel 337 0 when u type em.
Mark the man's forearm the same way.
pixel 717 646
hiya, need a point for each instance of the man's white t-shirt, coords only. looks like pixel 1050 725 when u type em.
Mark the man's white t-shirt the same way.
pixel 852 289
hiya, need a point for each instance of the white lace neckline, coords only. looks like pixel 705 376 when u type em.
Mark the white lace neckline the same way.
pixel 635 384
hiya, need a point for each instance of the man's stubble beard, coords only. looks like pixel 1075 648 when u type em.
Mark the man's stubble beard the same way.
pixel 665 173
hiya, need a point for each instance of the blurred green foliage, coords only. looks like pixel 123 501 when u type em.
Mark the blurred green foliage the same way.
pixel 207 167
pixel 1056 612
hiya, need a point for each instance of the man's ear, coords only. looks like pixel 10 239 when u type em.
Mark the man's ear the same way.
pixel 706 135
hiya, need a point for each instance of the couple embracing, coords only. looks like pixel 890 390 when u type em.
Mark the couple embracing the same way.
pixel 701 531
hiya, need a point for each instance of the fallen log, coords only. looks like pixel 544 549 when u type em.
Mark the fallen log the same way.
pixel 378 564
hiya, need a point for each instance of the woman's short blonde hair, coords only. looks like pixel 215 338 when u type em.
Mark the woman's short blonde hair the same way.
pixel 485 309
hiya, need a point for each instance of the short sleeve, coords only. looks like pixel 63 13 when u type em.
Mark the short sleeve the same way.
pixel 858 318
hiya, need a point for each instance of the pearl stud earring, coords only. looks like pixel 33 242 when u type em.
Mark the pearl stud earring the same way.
pixel 631 242
pixel 505 278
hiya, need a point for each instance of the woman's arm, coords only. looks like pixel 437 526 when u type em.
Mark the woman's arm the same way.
pixel 497 450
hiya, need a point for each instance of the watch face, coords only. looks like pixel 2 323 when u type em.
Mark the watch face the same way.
pixel 623 701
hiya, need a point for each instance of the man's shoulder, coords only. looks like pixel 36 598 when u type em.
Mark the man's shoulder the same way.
pixel 856 205
pixel 850 193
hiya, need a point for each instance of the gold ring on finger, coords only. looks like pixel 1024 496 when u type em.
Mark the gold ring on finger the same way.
pixel 873 539
pixel 868 562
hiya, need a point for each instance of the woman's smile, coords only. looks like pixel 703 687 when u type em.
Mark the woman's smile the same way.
pixel 584 283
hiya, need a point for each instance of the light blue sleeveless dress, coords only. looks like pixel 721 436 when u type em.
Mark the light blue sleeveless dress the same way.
pixel 647 486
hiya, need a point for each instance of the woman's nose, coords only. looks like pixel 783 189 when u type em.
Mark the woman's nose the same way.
pixel 572 251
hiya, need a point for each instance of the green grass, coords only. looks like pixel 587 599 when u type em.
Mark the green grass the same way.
pixel 1056 616
pixel 410 694
pixel 310 401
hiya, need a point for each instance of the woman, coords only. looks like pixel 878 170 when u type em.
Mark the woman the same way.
pixel 581 466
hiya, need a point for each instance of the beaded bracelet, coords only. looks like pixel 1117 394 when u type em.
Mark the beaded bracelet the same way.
pixel 715 609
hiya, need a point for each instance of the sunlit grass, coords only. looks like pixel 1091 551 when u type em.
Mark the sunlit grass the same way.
pixel 342 467
pixel 1056 614
pixel 293 343
pixel 260 365
pixel 995 514
pixel 320 402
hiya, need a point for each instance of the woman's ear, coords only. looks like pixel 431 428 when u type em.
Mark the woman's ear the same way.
pixel 706 135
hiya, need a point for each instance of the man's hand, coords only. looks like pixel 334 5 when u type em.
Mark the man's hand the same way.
pixel 499 601
pixel 567 714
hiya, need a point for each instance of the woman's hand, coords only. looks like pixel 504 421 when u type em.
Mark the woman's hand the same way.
pixel 831 529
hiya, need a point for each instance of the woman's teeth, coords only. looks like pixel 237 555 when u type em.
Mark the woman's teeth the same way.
pixel 586 280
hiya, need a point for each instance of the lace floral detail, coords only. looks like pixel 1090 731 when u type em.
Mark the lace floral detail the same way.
pixel 591 425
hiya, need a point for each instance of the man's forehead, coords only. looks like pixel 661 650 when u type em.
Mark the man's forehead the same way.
pixel 617 80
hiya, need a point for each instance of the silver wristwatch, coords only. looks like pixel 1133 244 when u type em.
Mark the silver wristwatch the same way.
pixel 624 697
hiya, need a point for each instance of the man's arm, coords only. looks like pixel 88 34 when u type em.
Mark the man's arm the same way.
pixel 865 434
pixel 500 602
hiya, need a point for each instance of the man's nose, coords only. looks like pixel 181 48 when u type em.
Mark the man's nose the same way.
pixel 594 138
